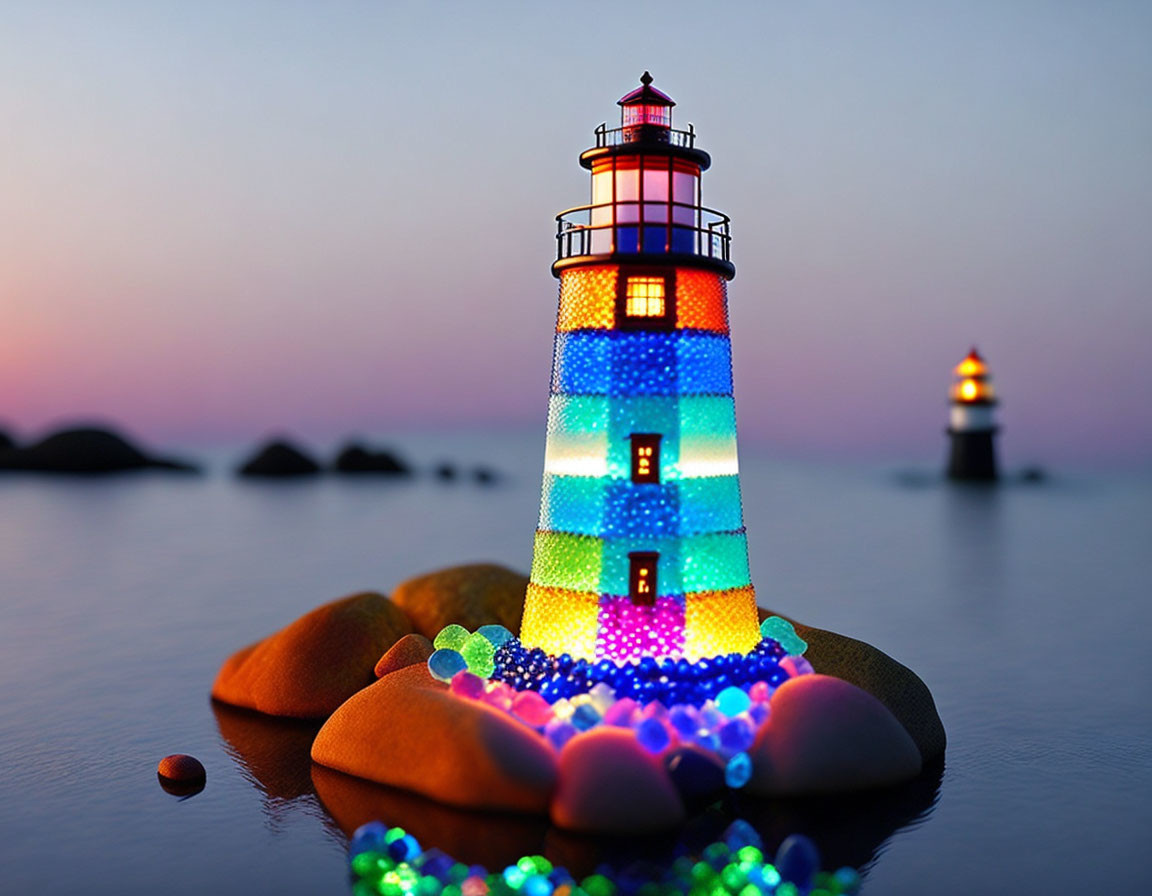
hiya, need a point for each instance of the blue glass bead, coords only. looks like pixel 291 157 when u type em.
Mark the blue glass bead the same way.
pixel 736 736
pixel 559 733
pixel 537 885
pixel 848 879
pixel 683 719
pixel 740 834
pixel 652 735
pixel 368 837
pixel 436 863
pixel 443 664
pixel 738 771
pixel 732 701
pixel 496 635
pixel 585 717
pixel 797 860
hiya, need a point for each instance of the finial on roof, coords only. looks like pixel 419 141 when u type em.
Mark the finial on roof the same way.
pixel 646 78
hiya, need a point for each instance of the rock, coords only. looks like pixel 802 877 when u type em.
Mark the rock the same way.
pixel 309 668
pixel 181 767
pixel 444 471
pixel 485 476
pixel 893 684
pixel 181 775
pixel 609 784
pixel 408 651
pixel 407 731
pixel 472 596
pixel 828 736
pixel 6 442
pixel 278 459
pixel 84 450
pixel 355 458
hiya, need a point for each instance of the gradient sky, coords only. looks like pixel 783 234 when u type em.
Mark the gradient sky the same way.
pixel 220 219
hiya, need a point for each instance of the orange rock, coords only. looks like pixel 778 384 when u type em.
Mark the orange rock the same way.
pixel 407 731
pixel 828 736
pixel 408 651
pixel 309 668
pixel 610 784
pixel 471 596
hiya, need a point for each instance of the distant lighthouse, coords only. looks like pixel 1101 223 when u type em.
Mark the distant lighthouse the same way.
pixel 972 426
pixel 640 550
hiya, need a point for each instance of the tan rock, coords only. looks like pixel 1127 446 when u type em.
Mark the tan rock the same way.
pixel 828 736
pixel 611 784
pixel 309 668
pixel 893 684
pixel 407 731
pixel 471 596
pixel 408 651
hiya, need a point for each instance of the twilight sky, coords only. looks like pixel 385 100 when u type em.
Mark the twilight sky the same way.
pixel 219 219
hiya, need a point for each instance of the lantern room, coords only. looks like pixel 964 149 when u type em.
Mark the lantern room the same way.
pixel 645 194
pixel 972 384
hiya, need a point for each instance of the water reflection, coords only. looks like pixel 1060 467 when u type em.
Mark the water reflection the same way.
pixel 273 756
pixel 974 548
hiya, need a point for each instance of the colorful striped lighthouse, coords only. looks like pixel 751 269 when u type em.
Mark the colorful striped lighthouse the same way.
pixel 640 549
pixel 972 425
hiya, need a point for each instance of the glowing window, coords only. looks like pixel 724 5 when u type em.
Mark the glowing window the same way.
pixel 642 577
pixel 645 457
pixel 644 297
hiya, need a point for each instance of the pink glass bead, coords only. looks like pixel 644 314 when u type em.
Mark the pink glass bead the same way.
pixel 620 713
pixel 532 709
pixel 796 665
pixel 760 692
pixel 500 695
pixel 465 684
pixel 474 886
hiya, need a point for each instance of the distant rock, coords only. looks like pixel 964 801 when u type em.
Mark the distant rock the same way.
pixel 445 471
pixel 84 450
pixel 471 596
pixel 6 443
pixel 356 458
pixel 485 476
pixel 1033 475
pixel 309 668
pixel 279 458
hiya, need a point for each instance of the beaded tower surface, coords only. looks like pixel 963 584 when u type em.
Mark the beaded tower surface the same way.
pixel 640 548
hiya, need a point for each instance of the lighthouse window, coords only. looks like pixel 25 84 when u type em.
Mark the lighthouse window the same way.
pixel 645 457
pixel 642 577
pixel 644 297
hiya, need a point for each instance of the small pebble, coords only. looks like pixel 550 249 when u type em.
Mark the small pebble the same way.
pixel 181 775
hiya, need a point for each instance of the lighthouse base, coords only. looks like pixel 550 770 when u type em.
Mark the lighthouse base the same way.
pixel 972 455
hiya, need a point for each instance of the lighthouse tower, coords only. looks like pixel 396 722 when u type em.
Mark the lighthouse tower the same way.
pixel 972 427
pixel 640 549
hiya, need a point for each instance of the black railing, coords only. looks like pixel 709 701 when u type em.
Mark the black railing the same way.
pixel 635 133
pixel 598 230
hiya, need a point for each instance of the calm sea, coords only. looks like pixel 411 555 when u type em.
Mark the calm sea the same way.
pixel 1027 609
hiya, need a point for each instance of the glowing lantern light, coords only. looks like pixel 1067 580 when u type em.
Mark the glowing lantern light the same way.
pixel 972 426
pixel 640 549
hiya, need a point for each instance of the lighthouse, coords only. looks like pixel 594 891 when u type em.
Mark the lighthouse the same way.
pixel 972 426
pixel 640 548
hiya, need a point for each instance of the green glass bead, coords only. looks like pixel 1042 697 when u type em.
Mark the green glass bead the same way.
pixel 451 637
pixel 478 653
pixel 749 854
pixel 787 889
pixel 598 885
pixel 779 629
